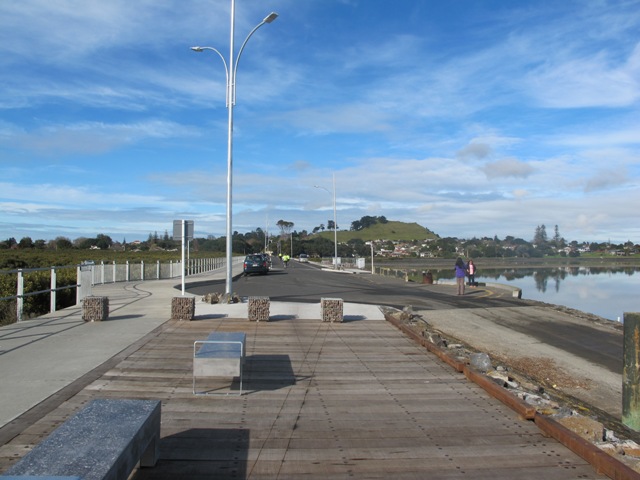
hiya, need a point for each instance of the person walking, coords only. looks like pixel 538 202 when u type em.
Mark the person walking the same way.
pixel 471 269
pixel 461 273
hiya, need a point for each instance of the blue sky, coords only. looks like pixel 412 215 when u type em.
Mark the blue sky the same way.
pixel 469 117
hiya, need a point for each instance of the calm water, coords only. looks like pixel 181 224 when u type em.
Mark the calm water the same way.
pixel 607 292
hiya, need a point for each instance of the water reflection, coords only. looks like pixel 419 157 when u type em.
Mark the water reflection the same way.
pixel 542 276
pixel 605 291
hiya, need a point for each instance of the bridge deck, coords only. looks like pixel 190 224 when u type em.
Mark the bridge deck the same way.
pixel 350 400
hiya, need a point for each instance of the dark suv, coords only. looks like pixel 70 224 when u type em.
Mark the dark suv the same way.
pixel 256 263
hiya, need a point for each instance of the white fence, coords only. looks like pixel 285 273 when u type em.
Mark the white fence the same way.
pixel 89 275
pixel 345 262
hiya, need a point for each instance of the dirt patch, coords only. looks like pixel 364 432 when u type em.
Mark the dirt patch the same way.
pixel 543 371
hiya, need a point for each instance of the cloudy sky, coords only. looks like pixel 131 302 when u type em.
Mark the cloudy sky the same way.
pixel 469 117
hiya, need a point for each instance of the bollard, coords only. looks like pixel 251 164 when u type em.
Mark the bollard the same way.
pixel 631 371
pixel 332 309
pixel 95 309
pixel 183 308
pixel 258 309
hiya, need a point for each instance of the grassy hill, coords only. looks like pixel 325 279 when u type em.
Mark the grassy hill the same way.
pixel 383 231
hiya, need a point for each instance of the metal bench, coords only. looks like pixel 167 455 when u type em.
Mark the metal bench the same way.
pixel 222 354
pixel 103 441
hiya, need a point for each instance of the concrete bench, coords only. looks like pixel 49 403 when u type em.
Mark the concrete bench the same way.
pixel 222 354
pixel 104 441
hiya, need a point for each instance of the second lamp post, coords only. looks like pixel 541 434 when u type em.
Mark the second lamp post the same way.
pixel 335 222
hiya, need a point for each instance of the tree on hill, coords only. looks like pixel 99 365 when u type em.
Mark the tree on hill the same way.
pixel 285 227
pixel 366 222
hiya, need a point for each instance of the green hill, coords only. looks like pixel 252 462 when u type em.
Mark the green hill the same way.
pixel 383 231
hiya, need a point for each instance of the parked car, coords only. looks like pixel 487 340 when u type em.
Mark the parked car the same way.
pixel 303 258
pixel 256 263
pixel 267 257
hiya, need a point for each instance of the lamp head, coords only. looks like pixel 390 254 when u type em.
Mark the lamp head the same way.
pixel 271 17
pixel 197 49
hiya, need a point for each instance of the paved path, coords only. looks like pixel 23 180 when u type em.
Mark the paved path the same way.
pixel 41 356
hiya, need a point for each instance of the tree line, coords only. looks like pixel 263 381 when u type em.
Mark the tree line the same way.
pixel 296 242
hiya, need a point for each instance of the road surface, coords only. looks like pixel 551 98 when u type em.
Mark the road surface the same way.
pixel 587 351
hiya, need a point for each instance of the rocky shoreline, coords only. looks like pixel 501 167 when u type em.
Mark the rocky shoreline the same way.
pixel 535 382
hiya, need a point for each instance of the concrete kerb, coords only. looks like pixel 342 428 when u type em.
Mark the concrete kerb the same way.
pixel 299 310
pixel 515 291
pixel 351 271
pixel 600 460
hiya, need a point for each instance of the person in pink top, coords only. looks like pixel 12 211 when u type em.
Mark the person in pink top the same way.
pixel 471 271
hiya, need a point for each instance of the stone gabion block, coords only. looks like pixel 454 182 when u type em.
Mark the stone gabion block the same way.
pixel 95 309
pixel 258 309
pixel 332 309
pixel 183 308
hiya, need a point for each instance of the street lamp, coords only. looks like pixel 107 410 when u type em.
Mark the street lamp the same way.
pixel 231 69
pixel 335 221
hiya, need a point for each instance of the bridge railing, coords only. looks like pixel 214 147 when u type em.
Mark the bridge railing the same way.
pixel 30 284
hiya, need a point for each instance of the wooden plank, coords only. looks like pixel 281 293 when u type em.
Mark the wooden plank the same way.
pixel 354 400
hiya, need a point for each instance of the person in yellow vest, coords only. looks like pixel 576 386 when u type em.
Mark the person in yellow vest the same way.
pixel 285 260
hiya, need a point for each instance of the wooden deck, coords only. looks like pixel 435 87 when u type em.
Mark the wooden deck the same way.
pixel 350 400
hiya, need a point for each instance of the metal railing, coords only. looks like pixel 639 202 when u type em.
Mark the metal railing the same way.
pixel 97 274
pixel 20 295
pixel 344 262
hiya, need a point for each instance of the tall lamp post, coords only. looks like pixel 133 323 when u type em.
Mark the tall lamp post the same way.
pixel 231 69
pixel 335 221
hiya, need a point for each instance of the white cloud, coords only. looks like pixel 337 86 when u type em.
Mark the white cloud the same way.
pixel 606 179
pixel 93 137
pixel 586 82
pixel 475 151
pixel 351 118
pixel 601 135
pixel 507 167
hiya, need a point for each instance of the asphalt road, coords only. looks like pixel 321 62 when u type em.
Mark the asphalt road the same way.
pixel 487 318
pixel 303 282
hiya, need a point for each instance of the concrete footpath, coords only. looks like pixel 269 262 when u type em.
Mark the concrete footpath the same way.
pixel 40 357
